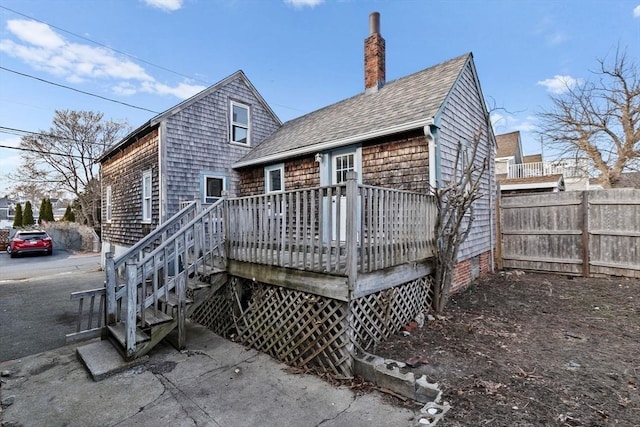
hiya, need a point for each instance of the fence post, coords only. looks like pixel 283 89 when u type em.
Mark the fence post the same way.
pixel 111 309
pixel 585 234
pixel 352 229
pixel 499 259
pixel 132 304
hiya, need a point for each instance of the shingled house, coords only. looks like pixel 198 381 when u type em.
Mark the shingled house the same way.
pixel 324 245
pixel 401 134
pixel 182 154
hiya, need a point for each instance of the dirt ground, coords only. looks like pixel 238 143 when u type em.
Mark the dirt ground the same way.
pixel 533 350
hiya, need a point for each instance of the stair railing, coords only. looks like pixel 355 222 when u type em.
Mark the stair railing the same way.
pixel 161 275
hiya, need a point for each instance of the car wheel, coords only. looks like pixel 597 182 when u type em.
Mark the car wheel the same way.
pixel 13 254
pixel 50 252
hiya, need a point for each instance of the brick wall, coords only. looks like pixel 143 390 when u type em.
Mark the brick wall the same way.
pixel 123 172
pixel 470 269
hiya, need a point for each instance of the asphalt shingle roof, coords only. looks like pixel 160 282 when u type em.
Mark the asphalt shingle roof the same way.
pixel 408 99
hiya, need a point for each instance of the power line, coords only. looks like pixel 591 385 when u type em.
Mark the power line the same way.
pixel 40 151
pixel 106 46
pixel 22 132
pixel 78 90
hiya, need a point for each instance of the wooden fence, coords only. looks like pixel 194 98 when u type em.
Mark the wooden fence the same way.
pixel 578 233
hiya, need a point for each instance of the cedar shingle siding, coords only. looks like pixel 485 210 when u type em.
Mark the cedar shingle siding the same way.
pixel 123 172
pixel 197 141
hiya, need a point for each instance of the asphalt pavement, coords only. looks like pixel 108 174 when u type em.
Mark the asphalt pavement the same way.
pixel 35 308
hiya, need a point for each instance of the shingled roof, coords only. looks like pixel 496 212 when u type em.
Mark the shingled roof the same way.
pixel 406 103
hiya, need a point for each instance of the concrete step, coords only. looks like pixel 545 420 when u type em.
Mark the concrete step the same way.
pixel 103 360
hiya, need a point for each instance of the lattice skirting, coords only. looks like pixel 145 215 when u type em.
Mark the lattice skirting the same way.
pixel 306 330
pixel 377 316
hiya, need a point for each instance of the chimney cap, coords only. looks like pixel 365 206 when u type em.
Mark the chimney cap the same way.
pixel 374 23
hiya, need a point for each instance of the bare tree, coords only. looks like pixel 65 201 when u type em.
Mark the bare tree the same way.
pixel 455 215
pixel 64 157
pixel 599 120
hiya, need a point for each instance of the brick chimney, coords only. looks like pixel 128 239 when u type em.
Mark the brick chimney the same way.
pixel 374 53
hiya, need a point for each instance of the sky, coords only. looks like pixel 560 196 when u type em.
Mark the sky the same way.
pixel 140 57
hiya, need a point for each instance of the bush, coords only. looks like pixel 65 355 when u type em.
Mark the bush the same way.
pixel 27 215
pixel 17 219
pixel 69 215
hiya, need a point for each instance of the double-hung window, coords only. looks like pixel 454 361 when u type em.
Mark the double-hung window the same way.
pixel 213 188
pixel 274 178
pixel 146 196
pixel 108 203
pixel 240 117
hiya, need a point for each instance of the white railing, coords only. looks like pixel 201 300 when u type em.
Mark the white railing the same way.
pixel 341 229
pixel 528 170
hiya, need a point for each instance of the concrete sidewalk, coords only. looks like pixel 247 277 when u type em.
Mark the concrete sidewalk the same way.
pixel 213 383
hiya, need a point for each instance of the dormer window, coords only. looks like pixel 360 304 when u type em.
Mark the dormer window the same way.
pixel 240 123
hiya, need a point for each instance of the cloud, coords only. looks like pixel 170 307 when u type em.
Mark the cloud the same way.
pixel 166 5
pixel 636 11
pixel 298 4
pixel 547 29
pixel 505 123
pixel 560 84
pixel 42 48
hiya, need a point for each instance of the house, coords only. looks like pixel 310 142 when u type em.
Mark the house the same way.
pixel 324 245
pixel 182 154
pixel 627 180
pixel 517 173
pixel 401 134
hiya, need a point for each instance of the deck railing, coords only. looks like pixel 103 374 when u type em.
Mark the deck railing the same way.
pixel 527 170
pixel 337 229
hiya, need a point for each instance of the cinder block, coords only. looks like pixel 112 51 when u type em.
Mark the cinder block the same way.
pixel 426 391
pixel 393 379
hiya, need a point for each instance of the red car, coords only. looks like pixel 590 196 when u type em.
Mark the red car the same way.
pixel 32 241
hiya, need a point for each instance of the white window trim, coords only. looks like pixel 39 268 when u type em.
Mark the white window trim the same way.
pixel 108 204
pixel 146 216
pixel 232 124
pixel 267 178
pixel 204 188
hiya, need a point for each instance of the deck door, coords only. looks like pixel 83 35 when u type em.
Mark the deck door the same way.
pixel 340 162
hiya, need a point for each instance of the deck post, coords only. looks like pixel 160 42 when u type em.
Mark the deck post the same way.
pixel 352 230
pixel 132 303
pixel 181 292
pixel 110 285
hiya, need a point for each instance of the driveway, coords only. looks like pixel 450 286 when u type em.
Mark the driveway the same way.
pixel 35 309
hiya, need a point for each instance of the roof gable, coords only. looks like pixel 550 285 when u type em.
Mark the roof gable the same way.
pixel 146 127
pixel 406 103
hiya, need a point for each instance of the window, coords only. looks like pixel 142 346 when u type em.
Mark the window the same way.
pixel 343 164
pixel 213 188
pixel 239 123
pixel 108 203
pixel 274 178
pixel 146 196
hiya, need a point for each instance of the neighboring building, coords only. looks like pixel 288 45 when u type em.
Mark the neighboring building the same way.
pixel 401 134
pixel 184 153
pixel 517 173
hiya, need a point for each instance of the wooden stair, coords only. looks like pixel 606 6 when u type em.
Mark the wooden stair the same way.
pixel 162 320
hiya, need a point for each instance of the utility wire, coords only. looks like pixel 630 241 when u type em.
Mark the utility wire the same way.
pixel 40 151
pixel 78 90
pixel 22 132
pixel 105 46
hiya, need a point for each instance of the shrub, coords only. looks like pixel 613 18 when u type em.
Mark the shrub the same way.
pixel 17 219
pixel 27 215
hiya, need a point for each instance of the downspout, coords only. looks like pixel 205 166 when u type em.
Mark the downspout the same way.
pixel 431 133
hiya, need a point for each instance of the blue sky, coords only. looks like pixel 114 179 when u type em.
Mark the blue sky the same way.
pixel 300 54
